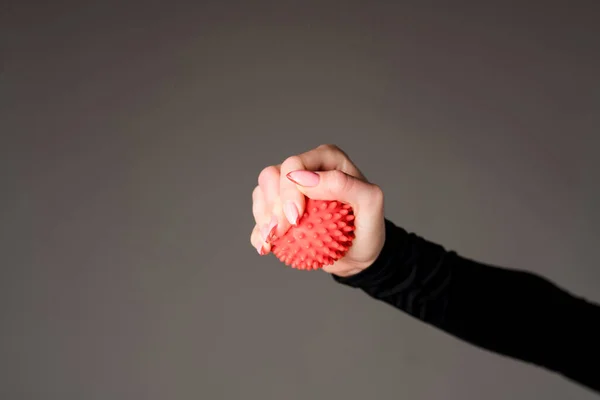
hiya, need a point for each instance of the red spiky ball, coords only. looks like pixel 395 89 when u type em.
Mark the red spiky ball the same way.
pixel 323 235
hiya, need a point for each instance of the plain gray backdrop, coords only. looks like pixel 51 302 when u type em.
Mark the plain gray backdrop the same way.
pixel 133 134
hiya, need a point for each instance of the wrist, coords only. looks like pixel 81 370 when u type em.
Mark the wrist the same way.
pixel 367 272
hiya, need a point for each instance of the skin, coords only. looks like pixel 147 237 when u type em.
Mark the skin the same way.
pixel 323 173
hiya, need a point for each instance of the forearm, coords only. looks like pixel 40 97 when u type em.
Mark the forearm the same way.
pixel 510 312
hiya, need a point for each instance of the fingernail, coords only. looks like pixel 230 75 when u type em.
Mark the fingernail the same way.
pixel 291 212
pixel 304 178
pixel 267 229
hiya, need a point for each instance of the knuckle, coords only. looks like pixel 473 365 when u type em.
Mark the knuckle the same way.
pixel 330 147
pixel 267 173
pixel 291 163
pixel 334 151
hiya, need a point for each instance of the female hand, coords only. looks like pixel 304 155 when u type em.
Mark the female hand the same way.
pixel 324 173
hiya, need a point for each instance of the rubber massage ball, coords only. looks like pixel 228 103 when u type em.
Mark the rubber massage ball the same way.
pixel 322 235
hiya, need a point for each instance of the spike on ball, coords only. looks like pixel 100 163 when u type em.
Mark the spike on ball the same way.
pixel 322 236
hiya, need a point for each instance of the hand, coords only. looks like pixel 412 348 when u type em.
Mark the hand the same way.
pixel 324 173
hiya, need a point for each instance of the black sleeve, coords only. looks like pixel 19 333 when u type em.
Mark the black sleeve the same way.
pixel 511 312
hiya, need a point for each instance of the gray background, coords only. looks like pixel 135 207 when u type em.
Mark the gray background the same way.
pixel 133 135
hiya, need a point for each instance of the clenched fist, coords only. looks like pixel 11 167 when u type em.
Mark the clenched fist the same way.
pixel 324 173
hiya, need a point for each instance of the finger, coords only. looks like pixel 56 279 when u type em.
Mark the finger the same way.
pixel 259 205
pixel 292 199
pixel 337 185
pixel 258 242
pixel 262 213
pixel 268 181
pixel 328 157
pixel 325 157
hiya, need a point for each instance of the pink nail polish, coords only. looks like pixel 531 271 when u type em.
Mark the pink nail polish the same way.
pixel 291 212
pixel 304 178
pixel 273 223
pixel 267 230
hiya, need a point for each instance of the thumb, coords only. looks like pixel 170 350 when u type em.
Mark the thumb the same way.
pixel 335 185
